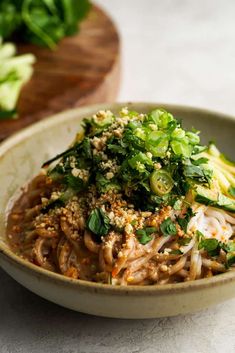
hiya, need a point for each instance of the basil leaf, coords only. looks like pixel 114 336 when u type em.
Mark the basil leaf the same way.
pixel 168 227
pixel 98 222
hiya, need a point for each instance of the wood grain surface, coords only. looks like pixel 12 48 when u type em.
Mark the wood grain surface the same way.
pixel 84 69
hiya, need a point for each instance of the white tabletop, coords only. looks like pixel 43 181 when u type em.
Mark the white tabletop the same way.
pixel 178 51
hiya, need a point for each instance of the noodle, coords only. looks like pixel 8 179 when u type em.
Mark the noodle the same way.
pixel 123 235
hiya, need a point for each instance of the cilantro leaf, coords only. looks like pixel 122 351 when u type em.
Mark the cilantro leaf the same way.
pixel 168 227
pixel 199 161
pixel 197 173
pixel 184 221
pixel 144 235
pixel 210 245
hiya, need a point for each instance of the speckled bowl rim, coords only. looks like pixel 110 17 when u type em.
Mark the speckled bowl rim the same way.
pixel 157 290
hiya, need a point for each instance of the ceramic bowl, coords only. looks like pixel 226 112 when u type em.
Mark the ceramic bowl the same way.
pixel 20 159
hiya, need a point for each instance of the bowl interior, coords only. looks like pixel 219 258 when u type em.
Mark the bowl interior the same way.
pixel 22 155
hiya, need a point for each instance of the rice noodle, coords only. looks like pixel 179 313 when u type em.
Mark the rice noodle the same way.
pixel 60 241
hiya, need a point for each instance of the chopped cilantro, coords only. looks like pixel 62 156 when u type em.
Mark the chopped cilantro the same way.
pixel 184 221
pixel 197 173
pixel 168 227
pixel 144 235
pixel 210 245
pixel 199 161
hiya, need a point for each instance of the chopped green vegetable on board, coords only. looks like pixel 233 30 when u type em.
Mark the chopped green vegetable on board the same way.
pixel 15 72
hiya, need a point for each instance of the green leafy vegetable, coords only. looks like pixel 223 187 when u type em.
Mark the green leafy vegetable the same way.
pixel 138 159
pixel 42 22
pixel 199 161
pixel 197 173
pixel 144 235
pixel 184 221
pixel 210 245
pixel 75 183
pixel 98 222
pixel 168 227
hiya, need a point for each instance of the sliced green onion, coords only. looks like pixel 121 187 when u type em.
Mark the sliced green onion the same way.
pixel 161 117
pixel 194 139
pixel 178 133
pixel 181 148
pixel 157 143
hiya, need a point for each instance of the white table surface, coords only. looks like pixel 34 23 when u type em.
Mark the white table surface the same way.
pixel 178 51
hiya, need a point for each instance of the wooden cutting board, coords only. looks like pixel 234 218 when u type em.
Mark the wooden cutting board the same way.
pixel 84 69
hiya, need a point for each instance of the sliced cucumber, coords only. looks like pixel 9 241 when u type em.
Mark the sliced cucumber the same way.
pixel 214 198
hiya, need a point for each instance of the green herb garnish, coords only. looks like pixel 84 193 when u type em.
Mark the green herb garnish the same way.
pixel 144 235
pixel 210 245
pixel 98 222
pixel 184 221
pixel 168 227
pixel 149 158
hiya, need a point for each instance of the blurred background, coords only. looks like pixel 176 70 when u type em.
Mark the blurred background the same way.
pixel 172 51
pixel 177 51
